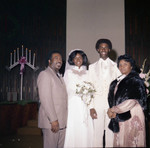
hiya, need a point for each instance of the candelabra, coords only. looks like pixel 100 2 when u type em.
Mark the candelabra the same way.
pixel 16 59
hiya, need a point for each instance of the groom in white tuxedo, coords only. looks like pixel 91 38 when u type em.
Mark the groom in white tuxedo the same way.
pixel 101 74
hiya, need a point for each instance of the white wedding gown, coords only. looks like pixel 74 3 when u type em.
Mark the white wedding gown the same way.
pixel 79 131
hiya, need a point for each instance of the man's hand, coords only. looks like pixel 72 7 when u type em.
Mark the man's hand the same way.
pixel 93 113
pixel 55 126
pixel 111 114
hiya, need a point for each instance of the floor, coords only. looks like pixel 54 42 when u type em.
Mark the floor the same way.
pixel 28 141
pixel 17 141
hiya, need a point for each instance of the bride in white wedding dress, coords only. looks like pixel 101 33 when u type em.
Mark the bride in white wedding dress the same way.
pixel 79 131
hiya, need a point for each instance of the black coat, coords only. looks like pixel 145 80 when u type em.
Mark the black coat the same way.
pixel 131 87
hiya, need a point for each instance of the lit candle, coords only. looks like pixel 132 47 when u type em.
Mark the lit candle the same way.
pixel 30 56
pixel 17 54
pixel 10 59
pixel 22 50
pixel 14 56
pixel 26 54
pixel 33 59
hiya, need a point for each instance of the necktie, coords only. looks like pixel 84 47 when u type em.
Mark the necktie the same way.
pixel 104 69
pixel 57 75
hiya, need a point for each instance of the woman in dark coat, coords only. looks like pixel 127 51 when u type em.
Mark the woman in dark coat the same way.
pixel 127 101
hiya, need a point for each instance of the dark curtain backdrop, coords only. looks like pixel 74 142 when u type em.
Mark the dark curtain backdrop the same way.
pixel 137 30
pixel 39 25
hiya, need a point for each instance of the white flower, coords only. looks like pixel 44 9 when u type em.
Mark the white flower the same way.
pixel 146 83
pixel 86 91
pixel 142 75
pixel 145 77
pixel 147 91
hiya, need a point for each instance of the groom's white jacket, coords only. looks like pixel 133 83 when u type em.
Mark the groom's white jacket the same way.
pixel 101 74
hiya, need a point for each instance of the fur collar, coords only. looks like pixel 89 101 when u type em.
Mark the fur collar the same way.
pixel 131 87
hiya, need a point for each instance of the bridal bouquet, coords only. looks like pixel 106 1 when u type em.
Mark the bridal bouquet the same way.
pixel 86 91
pixel 145 77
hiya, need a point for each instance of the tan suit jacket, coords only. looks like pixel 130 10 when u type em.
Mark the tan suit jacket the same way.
pixel 53 99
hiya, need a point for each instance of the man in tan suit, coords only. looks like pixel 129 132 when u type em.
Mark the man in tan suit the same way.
pixel 53 98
